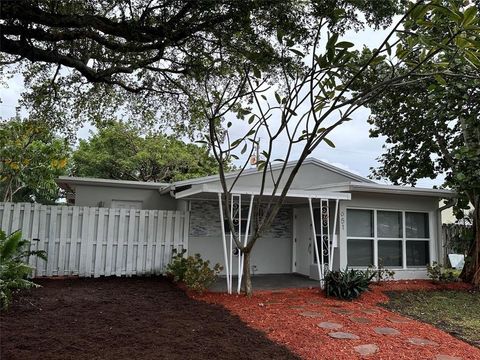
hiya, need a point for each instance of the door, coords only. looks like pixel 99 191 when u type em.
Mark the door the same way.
pixel 303 241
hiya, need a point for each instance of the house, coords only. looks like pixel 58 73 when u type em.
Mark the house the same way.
pixel 361 222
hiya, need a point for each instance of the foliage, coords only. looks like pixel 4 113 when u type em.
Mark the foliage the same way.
pixel 347 284
pixel 438 273
pixel 120 151
pixel 31 157
pixel 193 271
pixel 431 126
pixel 455 312
pixel 458 238
pixel 381 273
pixel 137 57
pixel 13 269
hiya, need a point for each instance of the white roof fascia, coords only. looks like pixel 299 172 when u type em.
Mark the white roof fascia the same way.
pixel 290 164
pixel 73 181
pixel 386 189
pixel 206 188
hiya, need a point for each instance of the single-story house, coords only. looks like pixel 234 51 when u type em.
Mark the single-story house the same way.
pixel 361 222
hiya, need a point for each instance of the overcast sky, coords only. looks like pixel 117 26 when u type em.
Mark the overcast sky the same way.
pixel 354 150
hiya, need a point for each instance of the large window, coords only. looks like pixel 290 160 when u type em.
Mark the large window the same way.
pixel 392 238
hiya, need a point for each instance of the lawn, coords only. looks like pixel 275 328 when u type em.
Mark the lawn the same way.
pixel 125 318
pixel 457 312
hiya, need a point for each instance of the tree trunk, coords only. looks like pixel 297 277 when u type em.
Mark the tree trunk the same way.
pixel 247 278
pixel 471 270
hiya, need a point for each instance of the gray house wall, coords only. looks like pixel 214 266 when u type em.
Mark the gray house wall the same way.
pixel 272 254
pixel 393 202
pixel 86 195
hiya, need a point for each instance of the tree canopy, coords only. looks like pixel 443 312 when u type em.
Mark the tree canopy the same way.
pixel 93 60
pixel 432 126
pixel 119 151
pixel 31 157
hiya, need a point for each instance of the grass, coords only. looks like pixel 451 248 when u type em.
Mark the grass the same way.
pixel 456 312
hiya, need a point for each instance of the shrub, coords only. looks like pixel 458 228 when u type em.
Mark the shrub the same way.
pixel 381 273
pixel 193 271
pixel 347 284
pixel 438 273
pixel 13 269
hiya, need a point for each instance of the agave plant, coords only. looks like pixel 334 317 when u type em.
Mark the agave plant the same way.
pixel 14 269
pixel 347 284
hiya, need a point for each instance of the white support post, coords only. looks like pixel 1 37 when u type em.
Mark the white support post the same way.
pixel 334 237
pixel 245 241
pixel 239 233
pixel 322 234
pixel 312 217
pixel 224 238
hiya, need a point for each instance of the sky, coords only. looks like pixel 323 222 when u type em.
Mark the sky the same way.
pixel 354 150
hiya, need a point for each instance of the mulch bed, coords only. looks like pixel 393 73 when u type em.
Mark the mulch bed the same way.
pixel 281 315
pixel 125 318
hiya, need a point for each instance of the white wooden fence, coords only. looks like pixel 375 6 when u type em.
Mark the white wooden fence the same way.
pixel 88 241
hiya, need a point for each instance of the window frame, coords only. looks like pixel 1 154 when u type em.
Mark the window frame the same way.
pixel 403 239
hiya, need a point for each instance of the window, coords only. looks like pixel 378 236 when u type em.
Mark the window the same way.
pixel 390 252
pixel 360 223
pixel 417 225
pixel 360 252
pixel 418 253
pixel 389 224
pixel 397 238
pixel 243 221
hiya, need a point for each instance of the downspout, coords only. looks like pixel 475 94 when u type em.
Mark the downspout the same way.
pixel 441 253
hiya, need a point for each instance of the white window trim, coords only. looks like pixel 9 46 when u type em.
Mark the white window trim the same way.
pixel 404 239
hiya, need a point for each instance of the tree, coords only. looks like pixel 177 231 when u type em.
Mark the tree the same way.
pixel 316 101
pixel 432 126
pixel 118 151
pixel 31 157
pixel 311 96
pixel 90 60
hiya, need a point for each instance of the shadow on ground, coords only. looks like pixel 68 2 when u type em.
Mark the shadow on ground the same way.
pixel 125 318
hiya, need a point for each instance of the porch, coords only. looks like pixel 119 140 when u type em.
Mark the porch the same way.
pixel 269 282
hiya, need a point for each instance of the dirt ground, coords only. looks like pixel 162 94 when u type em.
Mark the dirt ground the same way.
pixel 125 318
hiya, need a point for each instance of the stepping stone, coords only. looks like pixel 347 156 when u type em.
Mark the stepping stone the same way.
pixel 447 357
pixel 343 336
pixel 386 331
pixel 297 307
pixel 342 311
pixel 367 349
pixel 371 311
pixel 330 325
pixel 422 342
pixel 316 302
pixel 359 320
pixel 398 320
pixel 311 314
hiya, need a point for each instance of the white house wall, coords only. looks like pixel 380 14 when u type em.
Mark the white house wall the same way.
pixel 393 202
pixel 151 199
pixel 272 254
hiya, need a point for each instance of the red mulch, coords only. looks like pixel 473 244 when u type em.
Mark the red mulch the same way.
pixel 271 313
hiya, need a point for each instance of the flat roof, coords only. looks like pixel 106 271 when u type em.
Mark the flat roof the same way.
pixel 386 189
pixel 70 182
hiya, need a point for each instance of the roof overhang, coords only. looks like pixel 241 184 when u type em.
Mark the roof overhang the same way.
pixel 71 182
pixel 386 189
pixel 206 191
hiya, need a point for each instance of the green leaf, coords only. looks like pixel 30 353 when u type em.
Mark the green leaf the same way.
pixel 251 119
pixel 257 73
pixel 344 44
pixel 297 52
pixel 469 15
pixel 278 98
pixel 244 149
pixel 329 142
pixel 229 124
pixel 440 79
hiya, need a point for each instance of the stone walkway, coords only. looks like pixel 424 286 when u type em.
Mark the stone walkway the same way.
pixel 365 350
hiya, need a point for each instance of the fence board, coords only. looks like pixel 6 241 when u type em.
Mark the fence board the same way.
pixel 96 242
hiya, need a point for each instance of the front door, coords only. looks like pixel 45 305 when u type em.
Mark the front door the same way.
pixel 303 241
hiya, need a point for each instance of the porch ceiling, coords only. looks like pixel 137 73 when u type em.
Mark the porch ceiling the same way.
pixel 210 191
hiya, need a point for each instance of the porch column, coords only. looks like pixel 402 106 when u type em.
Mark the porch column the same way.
pixel 224 240
pixel 319 267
